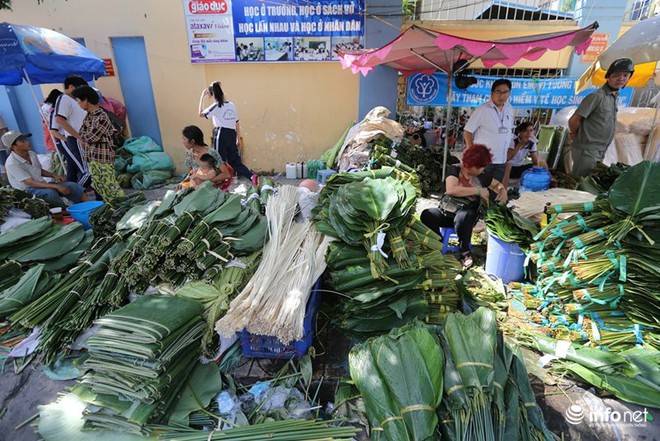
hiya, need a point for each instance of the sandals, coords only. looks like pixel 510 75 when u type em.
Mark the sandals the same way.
pixel 466 260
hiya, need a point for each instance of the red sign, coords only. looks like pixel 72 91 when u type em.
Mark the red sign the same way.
pixel 598 45
pixel 207 6
pixel 109 68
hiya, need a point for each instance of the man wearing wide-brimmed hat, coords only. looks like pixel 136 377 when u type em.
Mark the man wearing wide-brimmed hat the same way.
pixel 25 173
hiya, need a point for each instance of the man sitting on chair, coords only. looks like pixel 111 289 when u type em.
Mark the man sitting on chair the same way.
pixel 25 173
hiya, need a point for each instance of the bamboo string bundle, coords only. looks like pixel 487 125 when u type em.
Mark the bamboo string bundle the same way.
pixel 274 300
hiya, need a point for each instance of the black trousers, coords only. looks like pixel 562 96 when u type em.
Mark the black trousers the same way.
pixel 224 142
pixel 76 168
pixel 463 222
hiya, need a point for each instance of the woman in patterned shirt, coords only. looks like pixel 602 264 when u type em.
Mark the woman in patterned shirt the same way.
pixel 97 137
pixel 193 141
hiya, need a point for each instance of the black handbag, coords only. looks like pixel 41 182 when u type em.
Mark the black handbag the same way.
pixel 450 205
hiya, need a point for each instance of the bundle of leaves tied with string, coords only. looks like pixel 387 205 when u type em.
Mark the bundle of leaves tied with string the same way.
pixel 367 213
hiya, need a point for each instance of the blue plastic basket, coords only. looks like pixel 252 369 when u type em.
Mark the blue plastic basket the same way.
pixel 263 346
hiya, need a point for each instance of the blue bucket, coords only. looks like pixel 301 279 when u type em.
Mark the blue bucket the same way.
pixel 81 212
pixel 505 260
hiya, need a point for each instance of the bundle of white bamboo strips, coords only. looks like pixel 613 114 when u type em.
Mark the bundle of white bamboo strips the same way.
pixel 274 300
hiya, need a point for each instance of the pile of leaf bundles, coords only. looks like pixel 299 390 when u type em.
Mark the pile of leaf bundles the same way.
pixel 509 226
pixel 10 274
pixel 215 295
pixel 602 177
pixel 32 205
pixel 423 290
pixel 104 219
pixel 367 213
pixel 480 289
pixel 487 395
pixel 427 162
pixel 632 375
pixel 42 241
pixel 34 283
pixel 139 359
pixel 274 300
pixel 602 262
pixel 400 378
pixel 256 197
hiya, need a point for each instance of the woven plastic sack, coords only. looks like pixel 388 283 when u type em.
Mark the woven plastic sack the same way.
pixel 120 164
pixel 150 179
pixel 150 161
pixel 143 144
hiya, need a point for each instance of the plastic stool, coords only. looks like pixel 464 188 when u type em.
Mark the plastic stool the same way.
pixel 323 175
pixel 448 234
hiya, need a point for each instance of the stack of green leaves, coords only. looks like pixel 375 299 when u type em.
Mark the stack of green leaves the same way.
pixel 34 206
pixel 140 357
pixel 365 213
pixel 424 290
pixel 400 378
pixel 427 163
pixel 216 294
pixel 509 226
pixel 42 241
pixel 602 177
pixel 632 375
pixel 34 283
pixel 462 381
pixel 104 219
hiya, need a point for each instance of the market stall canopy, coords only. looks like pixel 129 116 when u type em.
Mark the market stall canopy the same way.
pixel 421 50
pixel 641 43
pixel 43 56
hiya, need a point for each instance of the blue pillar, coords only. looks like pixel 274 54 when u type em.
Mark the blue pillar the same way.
pixel 379 87
pixel 608 14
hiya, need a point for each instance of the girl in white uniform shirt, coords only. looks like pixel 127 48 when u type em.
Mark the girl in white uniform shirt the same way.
pixel 226 134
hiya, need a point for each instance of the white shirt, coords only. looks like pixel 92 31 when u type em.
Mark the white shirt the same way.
pixel 68 108
pixel 520 157
pixel 18 170
pixel 485 123
pixel 225 116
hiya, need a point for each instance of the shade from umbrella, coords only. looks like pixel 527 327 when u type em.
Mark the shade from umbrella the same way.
pixel 640 43
pixel 421 50
pixel 45 56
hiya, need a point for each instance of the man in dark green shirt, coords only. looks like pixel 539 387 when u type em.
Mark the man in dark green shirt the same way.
pixel 593 123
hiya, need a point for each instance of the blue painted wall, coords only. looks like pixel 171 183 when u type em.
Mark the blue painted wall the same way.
pixel 379 87
pixel 135 79
pixel 21 112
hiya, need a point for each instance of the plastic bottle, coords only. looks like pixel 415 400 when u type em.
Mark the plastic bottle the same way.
pixel 299 170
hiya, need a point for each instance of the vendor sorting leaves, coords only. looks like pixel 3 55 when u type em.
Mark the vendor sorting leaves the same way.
pixel 459 206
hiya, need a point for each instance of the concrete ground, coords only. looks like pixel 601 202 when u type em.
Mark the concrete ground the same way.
pixel 20 394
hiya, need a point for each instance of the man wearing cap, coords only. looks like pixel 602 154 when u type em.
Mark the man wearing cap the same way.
pixel 25 173
pixel 593 123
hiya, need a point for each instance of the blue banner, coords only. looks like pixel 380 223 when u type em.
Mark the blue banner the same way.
pixel 260 30
pixel 556 93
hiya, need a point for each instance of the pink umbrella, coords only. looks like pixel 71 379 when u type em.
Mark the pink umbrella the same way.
pixel 421 50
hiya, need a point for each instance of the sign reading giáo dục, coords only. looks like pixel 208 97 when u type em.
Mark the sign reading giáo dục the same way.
pixel 221 31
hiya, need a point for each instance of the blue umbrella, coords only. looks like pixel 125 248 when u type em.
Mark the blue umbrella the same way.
pixel 41 56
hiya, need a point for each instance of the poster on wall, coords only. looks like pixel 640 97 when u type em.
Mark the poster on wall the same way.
pixel 222 31
pixel 553 93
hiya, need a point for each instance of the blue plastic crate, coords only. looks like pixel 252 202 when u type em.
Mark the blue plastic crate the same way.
pixel 263 346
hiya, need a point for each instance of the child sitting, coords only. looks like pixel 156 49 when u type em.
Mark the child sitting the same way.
pixel 205 172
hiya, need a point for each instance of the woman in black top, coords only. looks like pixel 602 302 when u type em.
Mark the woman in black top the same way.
pixel 465 181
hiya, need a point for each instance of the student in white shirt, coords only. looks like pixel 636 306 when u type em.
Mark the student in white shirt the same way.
pixel 521 147
pixel 227 132
pixel 67 119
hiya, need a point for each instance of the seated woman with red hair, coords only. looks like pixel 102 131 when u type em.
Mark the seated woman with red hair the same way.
pixel 466 181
